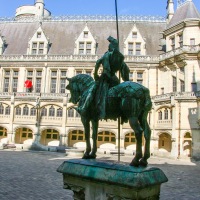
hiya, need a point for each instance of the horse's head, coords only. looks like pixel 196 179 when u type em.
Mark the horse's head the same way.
pixel 77 85
pixel 74 90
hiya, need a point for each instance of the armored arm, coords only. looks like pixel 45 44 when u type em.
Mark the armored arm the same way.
pixel 98 63
pixel 125 72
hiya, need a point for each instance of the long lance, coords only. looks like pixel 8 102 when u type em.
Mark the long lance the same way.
pixel 119 119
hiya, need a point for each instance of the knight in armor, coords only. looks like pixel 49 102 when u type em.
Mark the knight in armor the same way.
pixel 112 62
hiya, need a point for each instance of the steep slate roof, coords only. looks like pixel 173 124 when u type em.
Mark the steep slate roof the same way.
pixel 186 11
pixel 62 35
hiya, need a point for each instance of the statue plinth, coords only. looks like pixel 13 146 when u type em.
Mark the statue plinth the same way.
pixel 91 179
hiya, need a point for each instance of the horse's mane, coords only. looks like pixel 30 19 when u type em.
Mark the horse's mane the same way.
pixel 84 79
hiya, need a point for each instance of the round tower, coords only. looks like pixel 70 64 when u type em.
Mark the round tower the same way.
pixel 39 4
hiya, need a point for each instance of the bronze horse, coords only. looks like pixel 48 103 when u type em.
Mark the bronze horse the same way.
pixel 128 100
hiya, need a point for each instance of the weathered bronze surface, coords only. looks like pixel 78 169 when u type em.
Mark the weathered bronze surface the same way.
pixel 105 98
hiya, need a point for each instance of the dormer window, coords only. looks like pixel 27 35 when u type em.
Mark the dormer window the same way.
pixel 85 44
pixel 134 34
pixel 85 34
pixel 39 34
pixel 134 44
pixel 38 44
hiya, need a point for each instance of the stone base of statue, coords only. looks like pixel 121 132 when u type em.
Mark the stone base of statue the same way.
pixel 97 180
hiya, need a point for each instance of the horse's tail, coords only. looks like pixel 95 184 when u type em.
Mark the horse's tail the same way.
pixel 147 102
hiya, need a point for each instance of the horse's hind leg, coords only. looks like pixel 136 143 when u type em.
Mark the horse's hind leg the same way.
pixel 138 135
pixel 147 136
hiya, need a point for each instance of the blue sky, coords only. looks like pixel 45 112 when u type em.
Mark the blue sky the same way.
pixel 76 7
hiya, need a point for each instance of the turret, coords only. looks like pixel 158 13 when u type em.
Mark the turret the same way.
pixel 39 4
pixel 170 10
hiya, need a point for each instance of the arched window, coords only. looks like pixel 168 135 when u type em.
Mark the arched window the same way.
pixel 166 113
pixel 59 112
pixel 25 110
pixel 18 111
pixel 171 114
pixel 160 115
pixel 44 112
pixel 51 111
pixel 33 111
pixel 77 115
pixel 1 109
pixel 7 111
pixel 71 112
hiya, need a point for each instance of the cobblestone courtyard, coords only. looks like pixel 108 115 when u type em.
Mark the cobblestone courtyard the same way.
pixel 32 176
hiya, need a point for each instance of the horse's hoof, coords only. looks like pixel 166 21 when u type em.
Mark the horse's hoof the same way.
pixel 143 162
pixel 93 156
pixel 86 156
pixel 134 163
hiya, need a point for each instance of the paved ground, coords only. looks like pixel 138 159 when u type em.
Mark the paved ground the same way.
pixel 33 176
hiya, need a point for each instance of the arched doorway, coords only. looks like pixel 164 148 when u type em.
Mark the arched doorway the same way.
pixel 22 135
pixel 50 137
pixel 105 137
pixel 187 144
pixel 3 133
pixel 165 143
pixel 76 136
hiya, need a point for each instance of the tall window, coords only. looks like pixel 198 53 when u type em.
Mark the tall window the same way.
pixel 51 111
pixel 138 48
pixel 33 112
pixel 160 115
pixel 130 48
pixel 18 111
pixel 53 81
pixel 165 113
pixel 44 112
pixel 174 84
pixel 181 40
pixel 10 81
pixel 38 81
pixel 81 48
pixel 182 84
pixel 63 81
pixel 7 110
pixel 6 84
pixel 140 77
pixel 1 109
pixel 88 48
pixel 173 43
pixel 59 112
pixel 70 112
pixel 25 110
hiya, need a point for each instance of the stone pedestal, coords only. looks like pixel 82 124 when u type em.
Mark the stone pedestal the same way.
pixel 97 180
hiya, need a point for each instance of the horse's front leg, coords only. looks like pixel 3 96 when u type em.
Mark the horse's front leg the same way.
pixel 86 124
pixel 94 137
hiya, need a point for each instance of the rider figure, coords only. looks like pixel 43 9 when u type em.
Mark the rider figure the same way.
pixel 112 61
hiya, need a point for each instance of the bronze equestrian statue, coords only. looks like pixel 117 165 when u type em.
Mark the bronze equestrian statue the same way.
pixel 105 98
